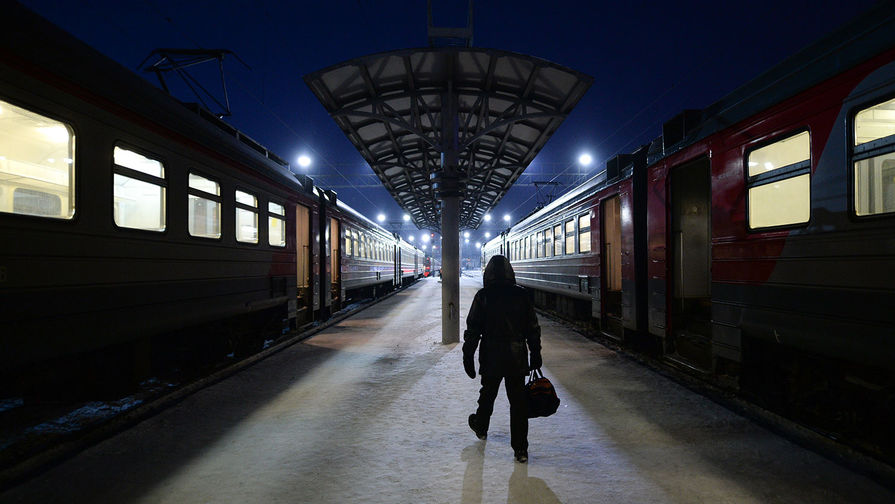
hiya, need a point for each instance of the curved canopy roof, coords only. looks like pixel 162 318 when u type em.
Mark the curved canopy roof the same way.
pixel 390 107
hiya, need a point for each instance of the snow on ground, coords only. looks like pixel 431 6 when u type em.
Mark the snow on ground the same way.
pixel 374 410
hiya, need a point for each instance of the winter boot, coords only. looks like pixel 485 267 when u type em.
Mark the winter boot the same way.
pixel 481 434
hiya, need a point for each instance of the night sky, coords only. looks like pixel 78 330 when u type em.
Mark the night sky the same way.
pixel 649 61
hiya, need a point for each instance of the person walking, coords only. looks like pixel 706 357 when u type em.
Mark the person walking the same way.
pixel 503 318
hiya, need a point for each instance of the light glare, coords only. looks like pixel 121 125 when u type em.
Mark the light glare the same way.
pixel 585 159
pixel 380 217
pixel 304 161
pixel 487 217
pixel 506 217
pixel 406 217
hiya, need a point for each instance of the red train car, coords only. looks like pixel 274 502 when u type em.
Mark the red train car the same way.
pixel 753 243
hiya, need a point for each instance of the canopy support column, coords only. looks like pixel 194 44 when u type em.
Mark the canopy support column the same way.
pixel 450 269
pixel 450 193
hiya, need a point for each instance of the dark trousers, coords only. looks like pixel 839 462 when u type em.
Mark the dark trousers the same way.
pixel 515 387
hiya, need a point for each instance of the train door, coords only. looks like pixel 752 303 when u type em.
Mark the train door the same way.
pixel 335 264
pixel 396 264
pixel 691 263
pixel 303 263
pixel 324 260
pixel 611 267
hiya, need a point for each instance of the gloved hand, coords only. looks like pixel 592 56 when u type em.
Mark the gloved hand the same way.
pixel 535 362
pixel 469 358
pixel 469 365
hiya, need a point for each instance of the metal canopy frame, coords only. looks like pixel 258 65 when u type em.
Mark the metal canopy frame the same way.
pixel 501 108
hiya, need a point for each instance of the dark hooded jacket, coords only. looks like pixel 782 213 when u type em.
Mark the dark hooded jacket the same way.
pixel 502 316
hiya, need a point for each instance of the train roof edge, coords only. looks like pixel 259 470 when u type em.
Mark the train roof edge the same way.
pixel 855 42
pixel 41 44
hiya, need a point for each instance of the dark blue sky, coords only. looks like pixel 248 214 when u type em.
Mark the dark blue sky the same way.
pixel 649 61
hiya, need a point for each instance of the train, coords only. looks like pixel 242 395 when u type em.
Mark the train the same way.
pixel 752 244
pixel 431 267
pixel 140 233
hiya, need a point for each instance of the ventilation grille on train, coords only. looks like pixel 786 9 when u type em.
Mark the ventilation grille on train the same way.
pixel 678 128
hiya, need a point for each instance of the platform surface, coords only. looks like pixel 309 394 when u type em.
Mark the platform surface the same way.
pixel 374 410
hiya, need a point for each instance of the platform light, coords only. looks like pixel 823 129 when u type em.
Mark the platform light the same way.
pixel 506 217
pixel 466 240
pixel 478 245
pixel 381 217
pixel 424 247
pixel 424 238
pixel 410 238
pixel 304 161
pixel 406 218
pixel 487 217
pixel 466 234
pixel 585 159
pixel 487 234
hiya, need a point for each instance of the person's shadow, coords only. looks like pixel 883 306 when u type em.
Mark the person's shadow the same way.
pixel 522 488
pixel 474 455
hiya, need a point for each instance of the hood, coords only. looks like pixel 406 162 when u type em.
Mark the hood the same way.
pixel 498 272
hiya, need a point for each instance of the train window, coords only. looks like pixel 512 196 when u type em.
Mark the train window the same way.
pixel 347 242
pixel 570 236
pixel 204 217
pixel 139 191
pixel 874 159
pixel 276 224
pixel 37 167
pixel 246 217
pixel 548 242
pixel 540 249
pixel 557 240
pixel 778 182
pixel 584 233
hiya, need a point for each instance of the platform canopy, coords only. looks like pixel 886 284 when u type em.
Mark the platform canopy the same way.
pixel 393 107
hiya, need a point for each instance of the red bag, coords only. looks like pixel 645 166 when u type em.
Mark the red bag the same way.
pixel 542 399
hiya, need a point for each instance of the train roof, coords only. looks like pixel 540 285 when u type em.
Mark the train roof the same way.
pixel 347 209
pixel 857 41
pixel 40 47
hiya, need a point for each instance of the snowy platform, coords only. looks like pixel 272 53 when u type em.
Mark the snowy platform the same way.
pixel 374 410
